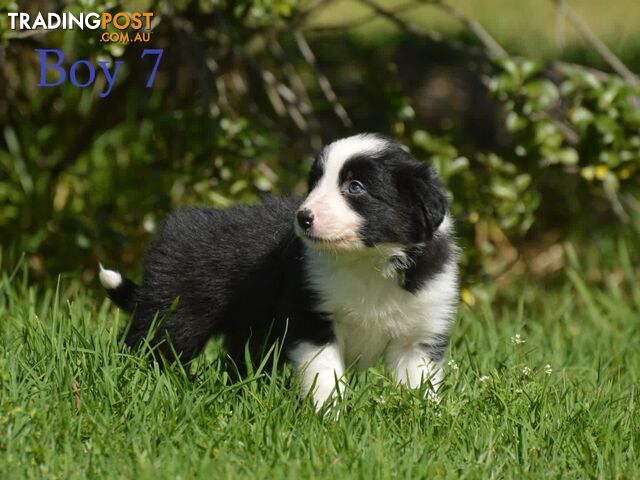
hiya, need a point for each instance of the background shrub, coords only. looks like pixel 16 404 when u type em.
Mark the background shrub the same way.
pixel 531 150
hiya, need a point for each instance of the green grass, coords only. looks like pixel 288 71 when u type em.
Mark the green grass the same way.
pixel 129 420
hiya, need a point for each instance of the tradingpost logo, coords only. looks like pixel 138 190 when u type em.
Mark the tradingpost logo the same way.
pixel 120 27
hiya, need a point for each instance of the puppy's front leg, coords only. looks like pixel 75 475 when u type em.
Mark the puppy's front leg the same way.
pixel 416 363
pixel 321 368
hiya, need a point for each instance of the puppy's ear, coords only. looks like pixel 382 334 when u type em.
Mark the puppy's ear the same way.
pixel 420 182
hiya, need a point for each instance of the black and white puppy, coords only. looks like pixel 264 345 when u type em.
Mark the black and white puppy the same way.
pixel 364 267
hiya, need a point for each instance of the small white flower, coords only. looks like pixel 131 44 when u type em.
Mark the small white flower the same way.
pixel 453 365
pixel 433 397
pixel 547 369
pixel 526 371
pixel 485 379
pixel 517 339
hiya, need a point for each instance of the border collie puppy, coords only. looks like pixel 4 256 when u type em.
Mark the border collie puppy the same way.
pixel 364 267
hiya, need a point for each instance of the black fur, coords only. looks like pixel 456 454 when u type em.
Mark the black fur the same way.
pixel 436 349
pixel 404 201
pixel 236 272
pixel 425 262
pixel 240 272
pixel 124 295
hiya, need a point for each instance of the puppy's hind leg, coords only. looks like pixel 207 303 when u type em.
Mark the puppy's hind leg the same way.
pixel 168 331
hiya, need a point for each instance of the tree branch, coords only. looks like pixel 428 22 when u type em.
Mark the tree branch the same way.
pixel 297 84
pixel 614 62
pixel 494 49
pixel 323 81
pixel 423 33
pixel 361 21
pixel 301 16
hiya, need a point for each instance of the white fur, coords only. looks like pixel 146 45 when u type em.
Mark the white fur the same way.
pixel 334 220
pixel 110 279
pixel 411 366
pixel 386 250
pixel 320 368
pixel 374 316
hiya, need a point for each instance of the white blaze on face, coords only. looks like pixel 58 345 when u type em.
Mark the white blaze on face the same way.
pixel 334 220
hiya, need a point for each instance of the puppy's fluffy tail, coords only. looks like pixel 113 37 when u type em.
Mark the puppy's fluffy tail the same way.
pixel 121 290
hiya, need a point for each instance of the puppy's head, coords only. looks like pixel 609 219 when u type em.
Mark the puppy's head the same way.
pixel 365 191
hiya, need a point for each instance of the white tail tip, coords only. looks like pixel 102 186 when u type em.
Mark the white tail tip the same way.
pixel 109 279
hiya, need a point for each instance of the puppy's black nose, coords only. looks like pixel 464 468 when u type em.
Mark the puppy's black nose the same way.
pixel 305 218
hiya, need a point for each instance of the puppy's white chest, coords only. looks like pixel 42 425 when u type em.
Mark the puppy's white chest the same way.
pixel 368 309
pixel 367 317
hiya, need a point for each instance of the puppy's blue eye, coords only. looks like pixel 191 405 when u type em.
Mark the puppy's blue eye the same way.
pixel 355 187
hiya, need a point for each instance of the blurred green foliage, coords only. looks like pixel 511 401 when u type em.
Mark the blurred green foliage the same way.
pixel 239 108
